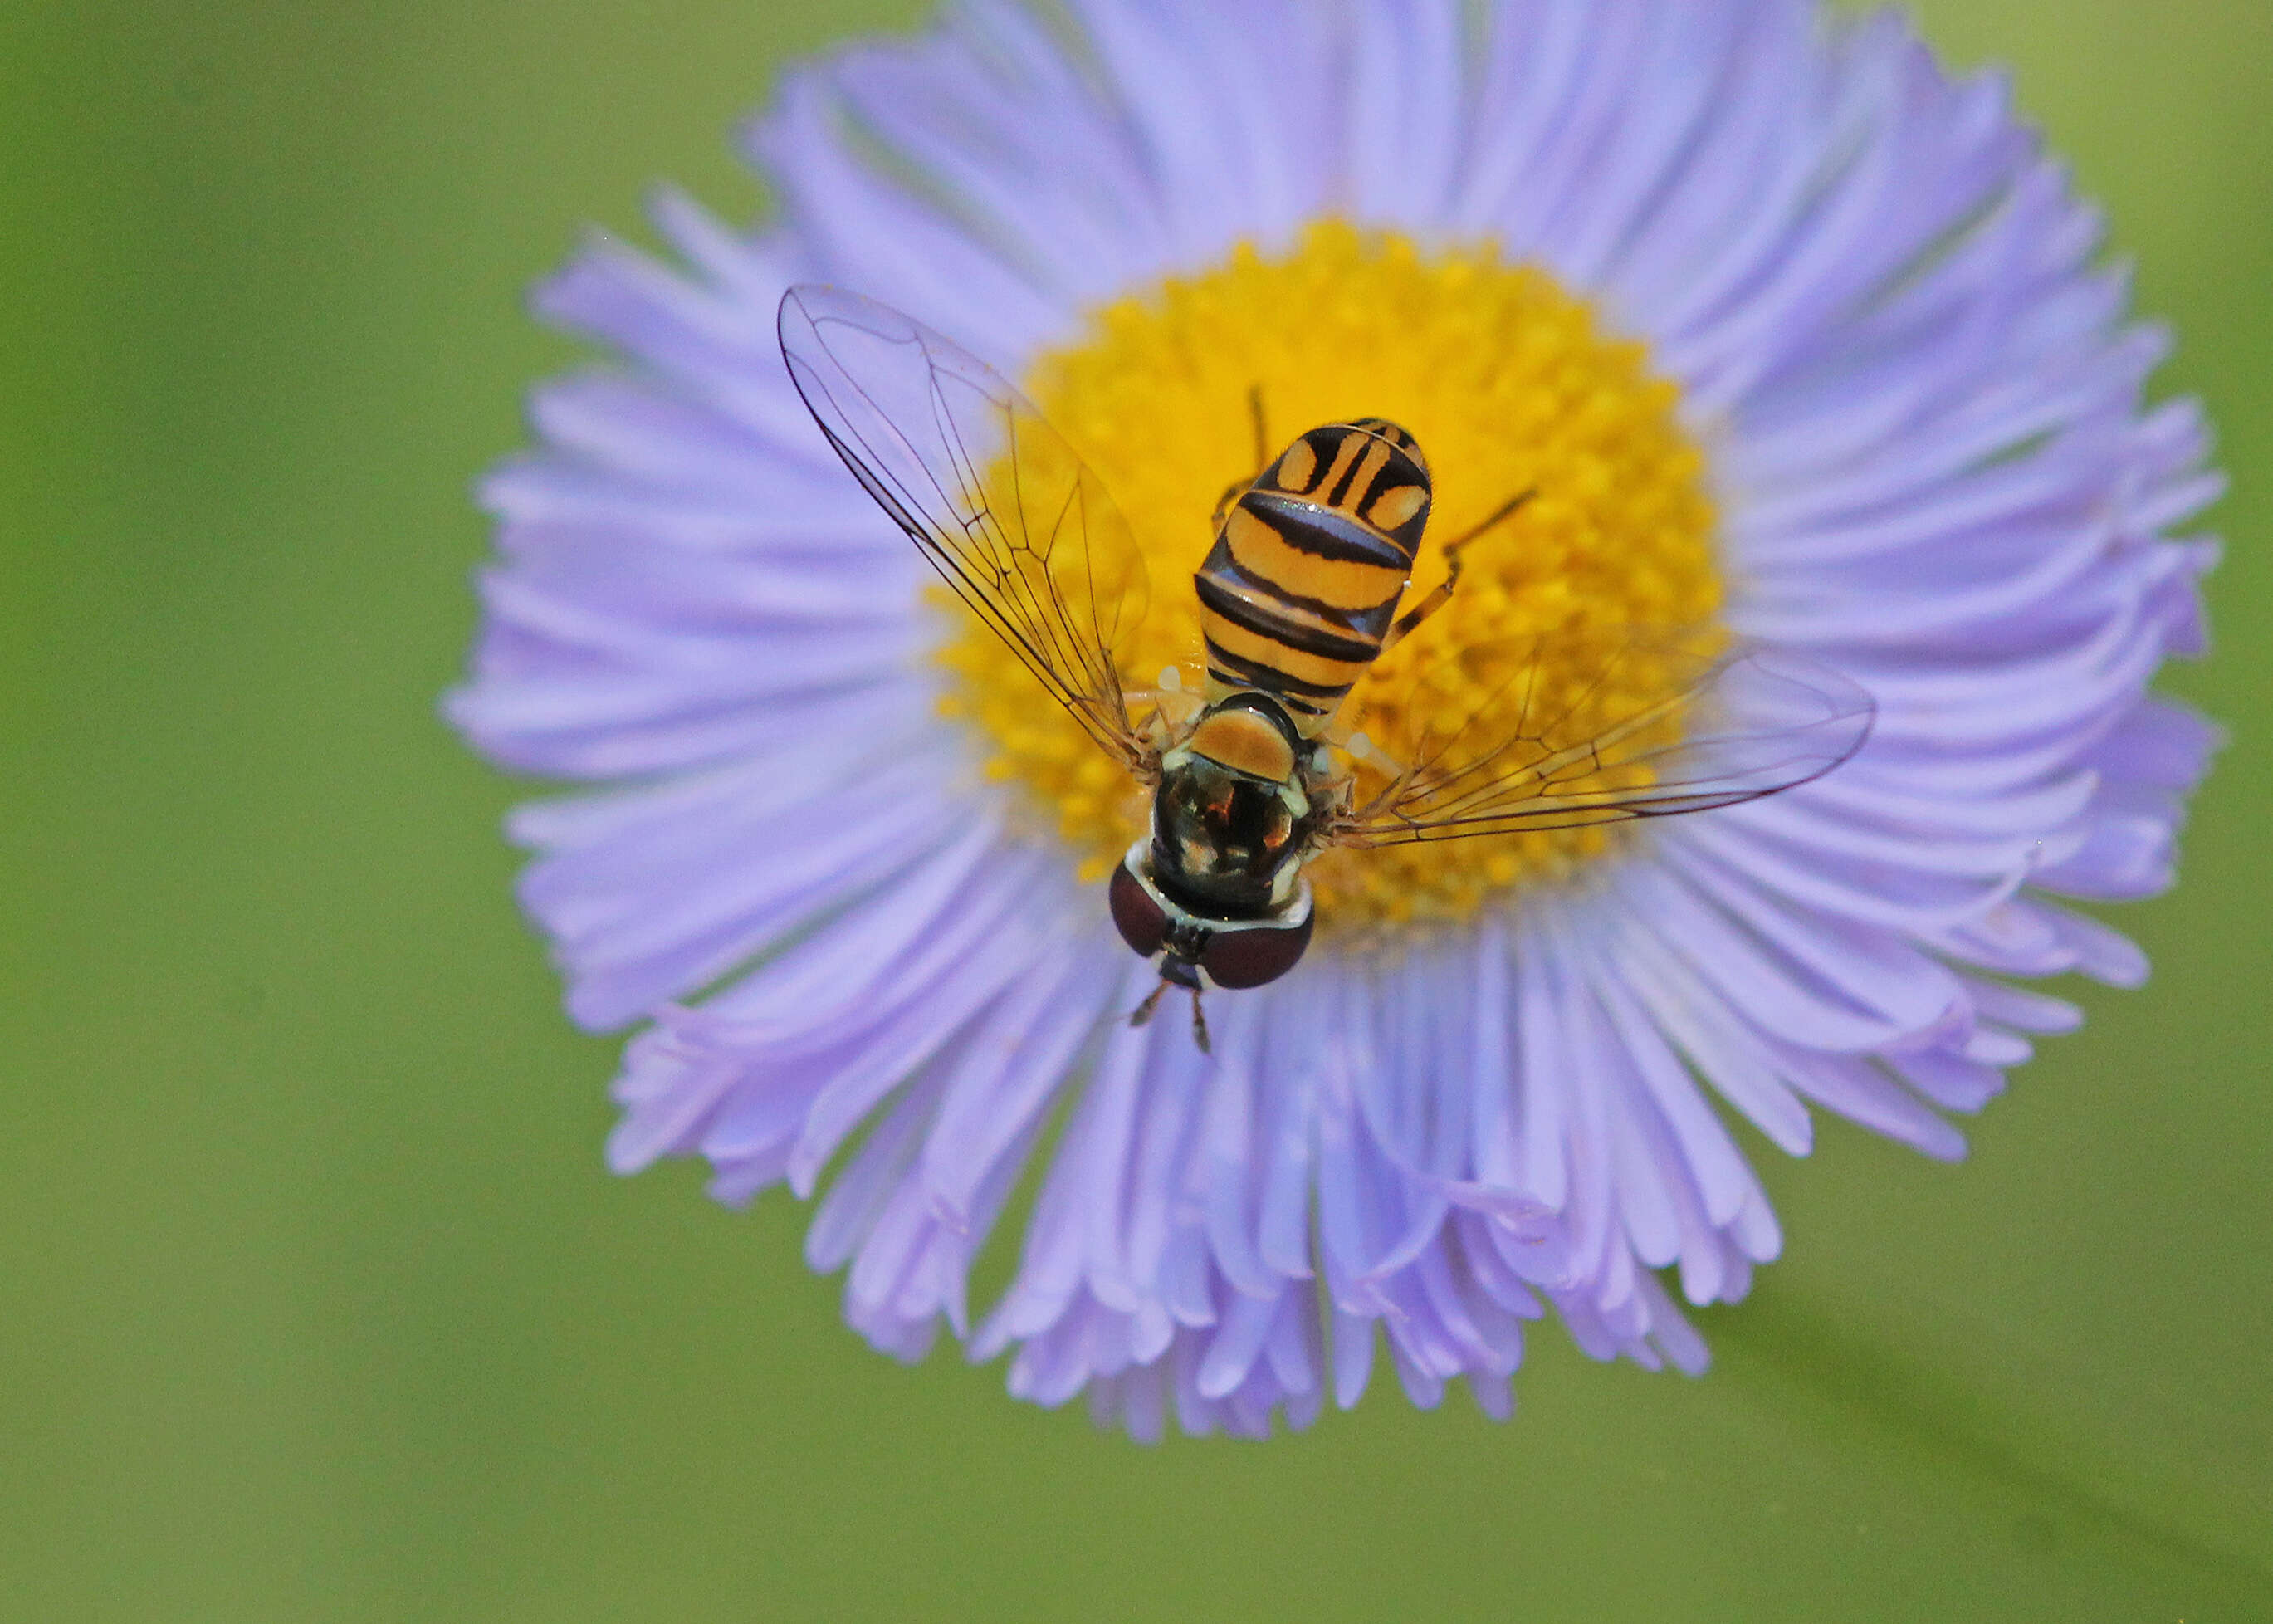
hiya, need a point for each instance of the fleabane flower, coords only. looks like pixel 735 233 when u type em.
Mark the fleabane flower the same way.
pixel 1793 338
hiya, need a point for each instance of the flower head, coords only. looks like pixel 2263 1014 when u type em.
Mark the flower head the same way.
pixel 1787 336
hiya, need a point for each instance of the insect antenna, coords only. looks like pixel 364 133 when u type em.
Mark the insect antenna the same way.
pixel 1143 1012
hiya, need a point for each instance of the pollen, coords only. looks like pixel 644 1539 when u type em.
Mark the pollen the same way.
pixel 1510 384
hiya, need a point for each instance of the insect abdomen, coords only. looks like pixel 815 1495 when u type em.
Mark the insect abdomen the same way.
pixel 1305 576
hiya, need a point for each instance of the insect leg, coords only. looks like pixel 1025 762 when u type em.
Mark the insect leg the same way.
pixel 1232 491
pixel 1165 713
pixel 1199 1023
pixel 1360 746
pixel 1443 594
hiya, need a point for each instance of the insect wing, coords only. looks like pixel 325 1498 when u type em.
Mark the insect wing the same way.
pixel 1601 727
pixel 993 497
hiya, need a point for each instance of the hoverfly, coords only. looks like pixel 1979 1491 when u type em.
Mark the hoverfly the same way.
pixel 1250 776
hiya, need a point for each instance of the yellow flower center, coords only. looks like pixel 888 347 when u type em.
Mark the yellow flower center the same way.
pixel 1508 384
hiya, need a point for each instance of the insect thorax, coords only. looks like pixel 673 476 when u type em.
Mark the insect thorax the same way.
pixel 1236 814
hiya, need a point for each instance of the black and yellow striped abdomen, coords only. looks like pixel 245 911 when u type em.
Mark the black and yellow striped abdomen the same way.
pixel 1304 578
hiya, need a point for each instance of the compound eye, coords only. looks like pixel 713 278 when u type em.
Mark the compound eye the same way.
pixel 1236 958
pixel 1140 920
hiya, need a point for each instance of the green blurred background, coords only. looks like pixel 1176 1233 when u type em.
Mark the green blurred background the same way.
pixel 319 1304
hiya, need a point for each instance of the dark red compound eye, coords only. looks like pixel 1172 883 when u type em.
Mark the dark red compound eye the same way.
pixel 1141 922
pixel 1248 958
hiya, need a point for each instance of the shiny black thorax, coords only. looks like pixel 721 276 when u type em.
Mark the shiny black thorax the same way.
pixel 1226 842
pixel 1215 895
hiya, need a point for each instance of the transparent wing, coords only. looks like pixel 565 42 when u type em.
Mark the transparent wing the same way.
pixel 1595 728
pixel 992 496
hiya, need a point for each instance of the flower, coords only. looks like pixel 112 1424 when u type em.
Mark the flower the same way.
pixel 1791 332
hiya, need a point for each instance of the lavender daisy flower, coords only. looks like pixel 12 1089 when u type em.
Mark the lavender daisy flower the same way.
pixel 1792 337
